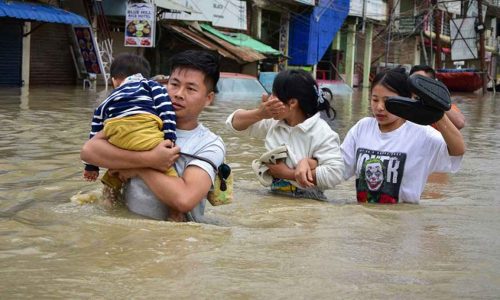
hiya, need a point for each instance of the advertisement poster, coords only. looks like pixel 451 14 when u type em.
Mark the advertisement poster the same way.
pixel 88 49
pixel 140 25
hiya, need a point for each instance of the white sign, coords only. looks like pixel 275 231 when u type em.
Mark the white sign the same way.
pixel 452 7
pixel 463 39
pixel 140 23
pixel 307 2
pixel 374 9
pixel 473 10
pixel 222 13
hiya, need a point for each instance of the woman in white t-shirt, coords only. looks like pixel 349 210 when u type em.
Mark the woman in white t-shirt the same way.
pixel 304 156
pixel 391 157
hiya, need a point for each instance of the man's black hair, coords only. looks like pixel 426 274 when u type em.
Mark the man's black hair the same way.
pixel 204 61
pixel 427 69
pixel 127 64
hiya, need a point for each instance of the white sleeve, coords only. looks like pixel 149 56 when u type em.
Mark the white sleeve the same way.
pixel 257 130
pixel 348 149
pixel 215 152
pixel 330 168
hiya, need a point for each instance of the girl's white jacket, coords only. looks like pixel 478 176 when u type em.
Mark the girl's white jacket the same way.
pixel 312 138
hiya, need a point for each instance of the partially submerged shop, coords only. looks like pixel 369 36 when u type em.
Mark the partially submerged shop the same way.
pixel 36 44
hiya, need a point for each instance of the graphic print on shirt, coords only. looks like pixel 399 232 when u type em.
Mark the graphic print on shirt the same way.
pixel 379 175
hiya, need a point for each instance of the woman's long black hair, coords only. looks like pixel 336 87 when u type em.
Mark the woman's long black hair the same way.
pixel 394 80
pixel 299 84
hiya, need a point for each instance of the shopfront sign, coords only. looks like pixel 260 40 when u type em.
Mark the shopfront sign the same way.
pixel 88 49
pixel 140 24
pixel 221 13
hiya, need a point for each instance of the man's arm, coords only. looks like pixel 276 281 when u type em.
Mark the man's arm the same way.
pixel 180 193
pixel 456 117
pixel 98 151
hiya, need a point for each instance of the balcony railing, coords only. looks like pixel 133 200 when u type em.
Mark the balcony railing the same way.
pixel 409 25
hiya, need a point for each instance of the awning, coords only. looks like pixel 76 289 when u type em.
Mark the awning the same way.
pixel 212 42
pixel 171 5
pixel 200 40
pixel 39 12
pixel 242 40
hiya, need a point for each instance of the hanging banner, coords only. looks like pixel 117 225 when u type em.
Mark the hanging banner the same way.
pixel 88 49
pixel 140 24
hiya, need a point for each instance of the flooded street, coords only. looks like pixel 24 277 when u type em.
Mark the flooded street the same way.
pixel 260 247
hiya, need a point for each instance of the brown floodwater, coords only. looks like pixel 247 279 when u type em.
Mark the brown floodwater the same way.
pixel 260 247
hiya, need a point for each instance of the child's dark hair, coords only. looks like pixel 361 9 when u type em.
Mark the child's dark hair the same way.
pixel 394 80
pixel 300 85
pixel 204 61
pixel 427 69
pixel 127 64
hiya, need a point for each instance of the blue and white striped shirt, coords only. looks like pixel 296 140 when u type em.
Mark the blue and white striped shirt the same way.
pixel 137 95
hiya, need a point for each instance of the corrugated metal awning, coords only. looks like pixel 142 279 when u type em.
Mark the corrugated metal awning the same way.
pixel 208 41
pixel 241 40
pixel 244 53
pixel 39 12
pixel 200 40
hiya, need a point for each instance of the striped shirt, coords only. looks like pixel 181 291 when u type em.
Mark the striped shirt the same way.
pixel 136 95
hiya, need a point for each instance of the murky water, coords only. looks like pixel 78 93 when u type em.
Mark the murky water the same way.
pixel 260 247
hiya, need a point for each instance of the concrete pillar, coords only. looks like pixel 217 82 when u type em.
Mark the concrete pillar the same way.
pixel 25 71
pixel 283 40
pixel 350 52
pixel 416 57
pixel 256 23
pixel 367 59
pixel 336 41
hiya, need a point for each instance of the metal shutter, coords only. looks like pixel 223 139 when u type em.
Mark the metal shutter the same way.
pixel 11 52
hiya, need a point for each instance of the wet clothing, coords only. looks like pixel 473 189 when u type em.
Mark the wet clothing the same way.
pixel 392 167
pixel 199 141
pixel 285 187
pixel 312 138
pixel 135 96
pixel 137 133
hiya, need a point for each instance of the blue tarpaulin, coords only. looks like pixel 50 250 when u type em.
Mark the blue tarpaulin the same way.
pixel 39 12
pixel 311 33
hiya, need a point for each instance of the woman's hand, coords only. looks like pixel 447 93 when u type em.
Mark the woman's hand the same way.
pixel 271 107
pixel 303 174
pixel 163 156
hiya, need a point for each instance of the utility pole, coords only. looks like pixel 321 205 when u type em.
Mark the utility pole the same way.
pixel 480 28
pixel 388 42
pixel 437 31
